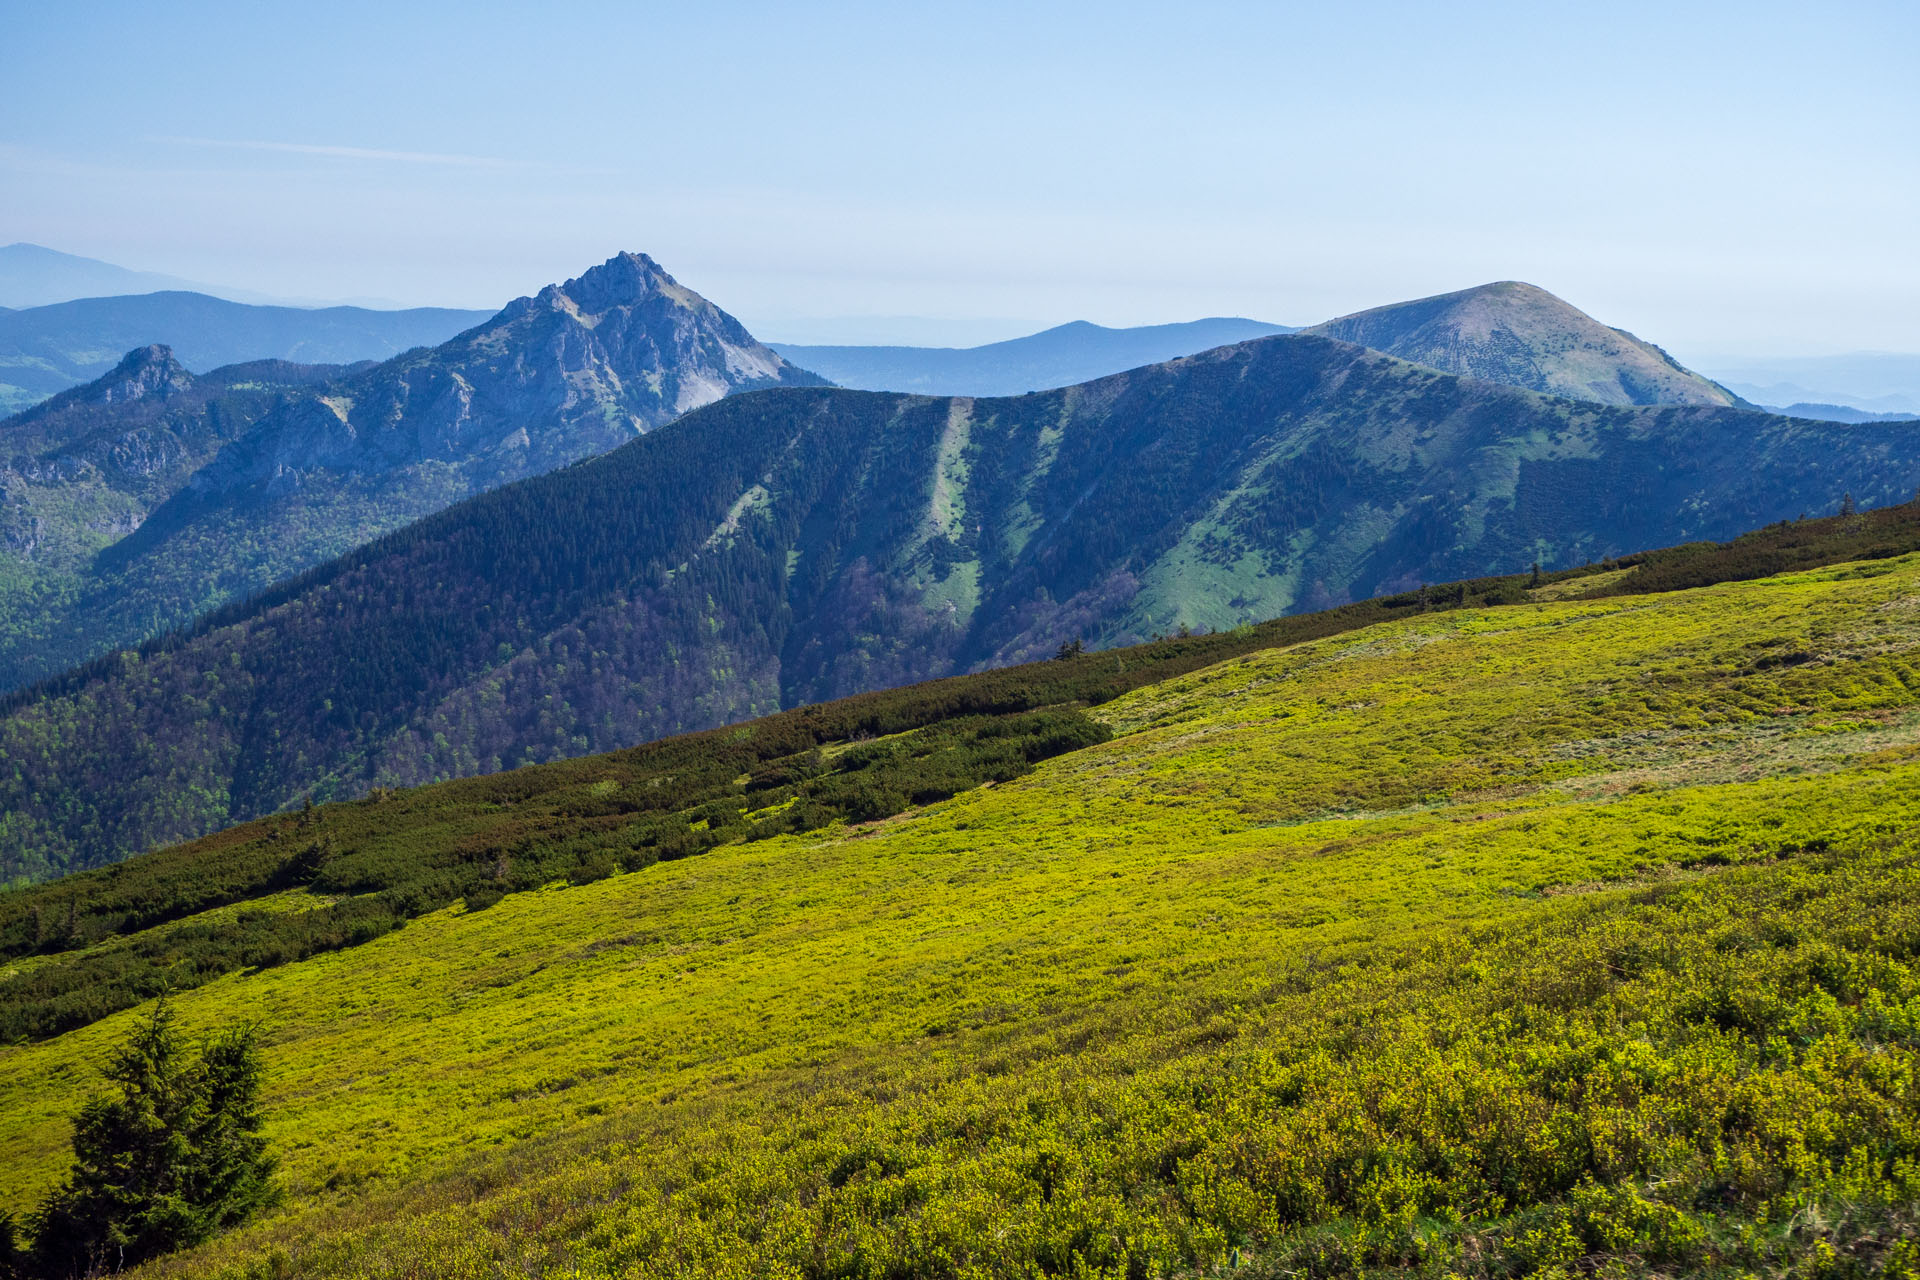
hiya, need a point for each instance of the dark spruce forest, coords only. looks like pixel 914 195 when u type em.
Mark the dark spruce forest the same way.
pixel 399 855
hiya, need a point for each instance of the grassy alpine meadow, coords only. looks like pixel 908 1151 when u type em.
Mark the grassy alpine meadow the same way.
pixel 1576 935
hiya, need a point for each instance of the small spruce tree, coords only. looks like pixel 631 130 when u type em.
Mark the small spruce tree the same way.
pixel 305 866
pixel 173 1157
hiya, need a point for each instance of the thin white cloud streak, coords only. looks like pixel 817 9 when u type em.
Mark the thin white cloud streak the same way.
pixel 344 153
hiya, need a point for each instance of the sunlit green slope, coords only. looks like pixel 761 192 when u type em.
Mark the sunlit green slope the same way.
pixel 1498 940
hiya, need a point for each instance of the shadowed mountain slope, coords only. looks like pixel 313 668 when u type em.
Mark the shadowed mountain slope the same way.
pixel 785 547
pixel 1523 336
pixel 301 475
pixel 1057 357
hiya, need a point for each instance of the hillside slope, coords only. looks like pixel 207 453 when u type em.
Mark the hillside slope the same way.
pixel 1484 941
pixel 576 370
pixel 84 469
pixel 782 548
pixel 86 466
pixel 1523 336
pixel 45 350
pixel 1056 357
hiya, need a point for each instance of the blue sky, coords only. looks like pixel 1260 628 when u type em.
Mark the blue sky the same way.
pixel 1718 178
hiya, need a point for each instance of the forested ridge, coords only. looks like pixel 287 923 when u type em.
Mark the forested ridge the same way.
pixel 791 546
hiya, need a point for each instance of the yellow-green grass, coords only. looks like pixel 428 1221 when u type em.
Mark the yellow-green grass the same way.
pixel 522 1086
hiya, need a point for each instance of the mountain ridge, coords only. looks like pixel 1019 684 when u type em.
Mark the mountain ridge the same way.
pixel 45 350
pixel 32 275
pixel 1078 351
pixel 786 546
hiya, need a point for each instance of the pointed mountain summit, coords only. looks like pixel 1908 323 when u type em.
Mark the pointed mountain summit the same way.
pixel 266 469
pixel 575 370
pixel 83 469
pixel 146 376
pixel 1520 335
pixel 144 371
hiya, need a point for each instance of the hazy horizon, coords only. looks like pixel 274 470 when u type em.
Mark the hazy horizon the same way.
pixel 1722 180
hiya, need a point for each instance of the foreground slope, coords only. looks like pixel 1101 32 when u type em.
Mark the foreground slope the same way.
pixel 44 350
pixel 1485 941
pixel 1056 357
pixel 787 547
pixel 573 371
pixel 1523 336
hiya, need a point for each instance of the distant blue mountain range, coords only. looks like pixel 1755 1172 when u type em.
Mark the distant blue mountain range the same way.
pixel 1836 413
pixel 1057 357
pixel 44 350
pixel 33 275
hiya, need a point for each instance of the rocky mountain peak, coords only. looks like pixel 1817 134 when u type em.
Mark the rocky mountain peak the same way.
pixel 143 371
pixel 624 280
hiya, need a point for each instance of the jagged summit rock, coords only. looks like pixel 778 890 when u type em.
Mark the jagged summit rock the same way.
pixel 1520 335
pixel 144 371
pixel 572 371
pixel 624 280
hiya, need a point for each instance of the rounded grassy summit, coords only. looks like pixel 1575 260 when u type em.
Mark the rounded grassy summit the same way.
pixel 1521 335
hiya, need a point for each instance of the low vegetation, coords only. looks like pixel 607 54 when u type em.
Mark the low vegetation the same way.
pixel 1570 935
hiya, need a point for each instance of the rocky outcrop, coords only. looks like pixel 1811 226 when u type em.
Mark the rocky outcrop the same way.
pixel 572 371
